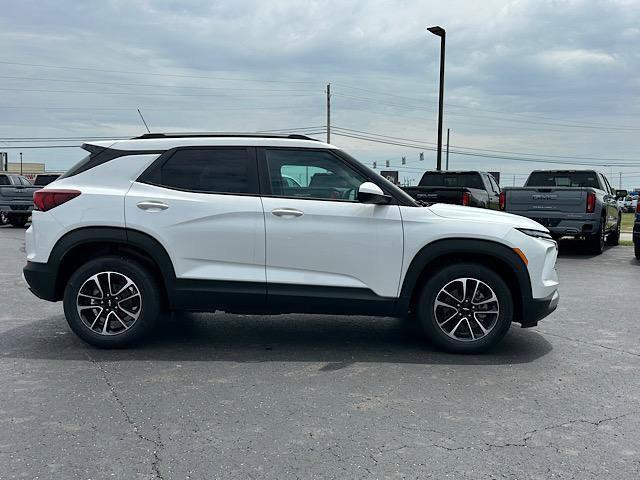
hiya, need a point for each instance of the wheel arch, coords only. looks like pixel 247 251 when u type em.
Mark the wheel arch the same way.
pixel 80 245
pixel 493 255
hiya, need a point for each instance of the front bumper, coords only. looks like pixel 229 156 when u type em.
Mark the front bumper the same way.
pixel 41 280
pixel 535 309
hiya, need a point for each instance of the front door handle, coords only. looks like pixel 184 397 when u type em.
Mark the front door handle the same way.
pixel 287 212
pixel 152 206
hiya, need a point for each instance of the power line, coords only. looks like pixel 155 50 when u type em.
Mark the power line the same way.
pixel 177 75
pixel 157 94
pixel 553 124
pixel 490 150
pixel 149 84
pixel 455 105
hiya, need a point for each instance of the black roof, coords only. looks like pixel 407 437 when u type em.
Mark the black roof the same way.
pixel 293 136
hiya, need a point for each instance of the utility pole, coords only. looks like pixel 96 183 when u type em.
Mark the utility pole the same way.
pixel 620 185
pixel 328 113
pixel 20 163
pixel 447 168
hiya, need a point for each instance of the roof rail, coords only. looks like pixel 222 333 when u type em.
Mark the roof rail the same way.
pixel 293 136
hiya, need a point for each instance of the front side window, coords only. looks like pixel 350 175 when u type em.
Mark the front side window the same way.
pixel 311 174
pixel 213 170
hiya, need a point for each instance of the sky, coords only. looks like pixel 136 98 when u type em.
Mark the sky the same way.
pixel 530 84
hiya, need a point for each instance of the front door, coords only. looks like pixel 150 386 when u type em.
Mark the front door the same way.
pixel 321 243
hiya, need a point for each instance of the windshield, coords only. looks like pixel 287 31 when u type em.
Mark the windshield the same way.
pixel 435 179
pixel 563 179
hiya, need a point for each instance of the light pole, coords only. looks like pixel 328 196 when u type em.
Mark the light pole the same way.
pixel 440 32
pixel 20 163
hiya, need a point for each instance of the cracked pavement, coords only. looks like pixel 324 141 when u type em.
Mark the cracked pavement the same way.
pixel 223 396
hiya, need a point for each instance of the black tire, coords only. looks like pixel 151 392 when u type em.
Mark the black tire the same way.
pixel 3 218
pixel 613 238
pixel 17 221
pixel 597 240
pixel 448 276
pixel 124 268
pixel 636 249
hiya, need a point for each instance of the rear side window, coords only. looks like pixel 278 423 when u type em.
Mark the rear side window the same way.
pixel 207 170
pixel 4 180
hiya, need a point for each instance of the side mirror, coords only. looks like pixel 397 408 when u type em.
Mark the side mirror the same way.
pixel 621 193
pixel 371 193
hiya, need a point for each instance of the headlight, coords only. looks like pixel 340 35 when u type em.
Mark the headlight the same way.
pixel 535 233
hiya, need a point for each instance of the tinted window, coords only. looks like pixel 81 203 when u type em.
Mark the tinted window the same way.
pixel 4 180
pixel 315 174
pixel 435 179
pixel 223 170
pixel 563 179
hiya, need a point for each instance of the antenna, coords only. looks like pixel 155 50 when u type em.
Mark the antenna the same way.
pixel 143 121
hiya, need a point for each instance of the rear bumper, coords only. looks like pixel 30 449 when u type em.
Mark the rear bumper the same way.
pixel 41 279
pixel 559 225
pixel 17 207
pixel 536 309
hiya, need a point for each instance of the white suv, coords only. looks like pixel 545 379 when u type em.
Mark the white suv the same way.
pixel 273 224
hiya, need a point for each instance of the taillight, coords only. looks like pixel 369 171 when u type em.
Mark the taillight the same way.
pixel 44 200
pixel 638 206
pixel 503 200
pixel 591 202
pixel 466 199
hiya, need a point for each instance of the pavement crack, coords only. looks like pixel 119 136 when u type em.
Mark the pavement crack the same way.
pixel 619 350
pixel 157 445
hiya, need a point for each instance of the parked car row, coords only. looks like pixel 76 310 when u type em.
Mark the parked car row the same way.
pixel 16 196
pixel 575 203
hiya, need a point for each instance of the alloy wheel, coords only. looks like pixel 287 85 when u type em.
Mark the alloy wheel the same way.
pixel 466 309
pixel 109 303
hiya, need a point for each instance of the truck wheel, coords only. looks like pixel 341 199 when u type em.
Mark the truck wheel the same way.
pixel 17 220
pixel 596 241
pixel 636 248
pixel 3 218
pixel 614 237
pixel 465 308
pixel 111 302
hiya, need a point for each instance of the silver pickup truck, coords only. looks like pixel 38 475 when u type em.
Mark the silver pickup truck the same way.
pixel 16 199
pixel 576 203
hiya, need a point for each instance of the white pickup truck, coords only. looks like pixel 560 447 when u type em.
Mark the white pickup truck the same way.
pixel 16 199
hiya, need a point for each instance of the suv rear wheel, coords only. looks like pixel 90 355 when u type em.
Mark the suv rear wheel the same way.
pixel 111 302
pixel 465 308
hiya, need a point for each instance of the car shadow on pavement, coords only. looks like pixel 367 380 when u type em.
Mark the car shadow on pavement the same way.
pixel 575 248
pixel 336 341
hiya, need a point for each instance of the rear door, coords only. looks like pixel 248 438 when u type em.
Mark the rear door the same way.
pixel 202 204
pixel 611 204
pixel 321 242
pixel 494 192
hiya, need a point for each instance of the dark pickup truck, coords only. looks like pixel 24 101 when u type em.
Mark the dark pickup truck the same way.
pixel 16 199
pixel 469 188
pixel 576 203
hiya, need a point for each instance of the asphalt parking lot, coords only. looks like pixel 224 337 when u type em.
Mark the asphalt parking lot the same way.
pixel 222 396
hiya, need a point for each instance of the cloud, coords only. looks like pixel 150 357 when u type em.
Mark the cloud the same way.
pixel 508 63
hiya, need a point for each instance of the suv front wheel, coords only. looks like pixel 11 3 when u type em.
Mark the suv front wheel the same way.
pixel 465 308
pixel 111 302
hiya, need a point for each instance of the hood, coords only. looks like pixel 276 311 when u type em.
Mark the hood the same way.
pixel 471 214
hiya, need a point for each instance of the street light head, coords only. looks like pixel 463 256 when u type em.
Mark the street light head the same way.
pixel 439 31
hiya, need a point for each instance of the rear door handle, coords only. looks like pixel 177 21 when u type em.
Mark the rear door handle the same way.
pixel 287 212
pixel 152 206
